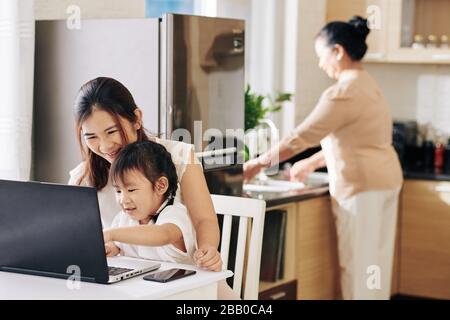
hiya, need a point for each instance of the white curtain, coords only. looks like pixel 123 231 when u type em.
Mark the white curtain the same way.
pixel 273 45
pixel 16 87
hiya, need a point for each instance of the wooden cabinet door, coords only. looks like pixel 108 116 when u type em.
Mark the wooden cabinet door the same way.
pixel 425 239
pixel 316 251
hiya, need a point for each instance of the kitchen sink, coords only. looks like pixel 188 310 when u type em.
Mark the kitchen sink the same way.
pixel 268 184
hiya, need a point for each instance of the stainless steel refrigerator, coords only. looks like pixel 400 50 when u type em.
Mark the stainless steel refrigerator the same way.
pixel 180 69
pixel 202 91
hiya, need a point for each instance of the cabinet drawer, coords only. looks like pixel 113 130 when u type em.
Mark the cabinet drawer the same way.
pixel 286 291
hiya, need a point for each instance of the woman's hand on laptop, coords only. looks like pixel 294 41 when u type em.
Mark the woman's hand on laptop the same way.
pixel 111 249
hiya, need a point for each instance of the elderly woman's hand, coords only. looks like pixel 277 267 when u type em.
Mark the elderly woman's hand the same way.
pixel 301 170
pixel 251 169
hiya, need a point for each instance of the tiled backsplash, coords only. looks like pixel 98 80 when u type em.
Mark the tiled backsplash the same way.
pixel 433 102
pixel 416 92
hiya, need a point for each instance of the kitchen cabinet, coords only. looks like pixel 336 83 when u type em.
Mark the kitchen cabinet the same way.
pixel 310 252
pixel 417 17
pixel 425 239
pixel 283 291
pixel 267 288
pixel 317 268
pixel 311 258
pixel 396 22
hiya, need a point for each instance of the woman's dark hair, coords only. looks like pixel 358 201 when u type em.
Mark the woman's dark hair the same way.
pixel 113 97
pixel 351 35
pixel 151 159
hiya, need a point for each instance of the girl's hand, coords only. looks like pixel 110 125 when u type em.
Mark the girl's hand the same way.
pixel 111 249
pixel 208 258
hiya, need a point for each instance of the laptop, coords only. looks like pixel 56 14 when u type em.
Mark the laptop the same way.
pixel 55 230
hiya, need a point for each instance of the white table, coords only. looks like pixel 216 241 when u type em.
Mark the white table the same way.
pixel 201 286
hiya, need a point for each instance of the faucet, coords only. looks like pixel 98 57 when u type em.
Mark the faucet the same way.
pixel 271 141
pixel 274 136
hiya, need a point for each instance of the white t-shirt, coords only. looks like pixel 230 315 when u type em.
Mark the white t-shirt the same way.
pixel 181 156
pixel 175 214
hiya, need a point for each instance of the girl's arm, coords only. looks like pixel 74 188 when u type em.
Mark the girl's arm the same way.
pixel 145 235
pixel 111 249
pixel 198 201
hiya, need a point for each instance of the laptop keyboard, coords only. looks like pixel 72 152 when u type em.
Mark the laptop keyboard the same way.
pixel 114 271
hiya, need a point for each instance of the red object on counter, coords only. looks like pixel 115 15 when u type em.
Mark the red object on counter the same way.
pixel 439 157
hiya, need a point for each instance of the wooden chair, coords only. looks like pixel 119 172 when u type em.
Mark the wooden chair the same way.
pixel 246 209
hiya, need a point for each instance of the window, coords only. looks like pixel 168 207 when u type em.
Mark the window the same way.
pixel 155 8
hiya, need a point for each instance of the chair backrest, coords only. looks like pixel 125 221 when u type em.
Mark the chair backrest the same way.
pixel 246 209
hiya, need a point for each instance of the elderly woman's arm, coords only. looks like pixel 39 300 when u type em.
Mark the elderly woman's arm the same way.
pixel 331 112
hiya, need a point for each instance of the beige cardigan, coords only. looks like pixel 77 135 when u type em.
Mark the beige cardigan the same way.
pixel 353 125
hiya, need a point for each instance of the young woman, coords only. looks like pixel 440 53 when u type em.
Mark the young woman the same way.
pixel 107 119
pixel 353 124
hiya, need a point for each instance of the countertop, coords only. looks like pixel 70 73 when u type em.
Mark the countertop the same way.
pixel 314 187
pixel 422 175
pixel 279 198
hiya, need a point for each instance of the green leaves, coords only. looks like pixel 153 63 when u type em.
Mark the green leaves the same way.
pixel 246 153
pixel 255 110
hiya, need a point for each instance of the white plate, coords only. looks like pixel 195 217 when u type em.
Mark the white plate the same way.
pixel 317 178
pixel 274 186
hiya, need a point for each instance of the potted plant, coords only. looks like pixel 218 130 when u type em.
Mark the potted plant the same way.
pixel 256 110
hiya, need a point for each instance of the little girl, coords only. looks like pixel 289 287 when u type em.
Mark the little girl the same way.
pixel 152 224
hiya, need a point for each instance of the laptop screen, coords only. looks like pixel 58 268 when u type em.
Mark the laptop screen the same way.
pixel 51 229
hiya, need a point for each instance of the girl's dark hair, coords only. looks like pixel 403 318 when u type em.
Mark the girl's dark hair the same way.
pixel 351 35
pixel 113 97
pixel 151 159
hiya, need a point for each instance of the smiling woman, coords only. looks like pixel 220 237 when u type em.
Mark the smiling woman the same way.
pixel 107 120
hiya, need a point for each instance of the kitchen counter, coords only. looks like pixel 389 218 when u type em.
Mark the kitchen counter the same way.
pixel 421 175
pixel 278 198
pixel 315 186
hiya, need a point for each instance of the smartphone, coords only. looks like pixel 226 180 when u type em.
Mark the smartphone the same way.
pixel 169 275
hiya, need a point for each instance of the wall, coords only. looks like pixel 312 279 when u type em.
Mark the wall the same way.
pixel 416 92
pixel 311 81
pixel 56 9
